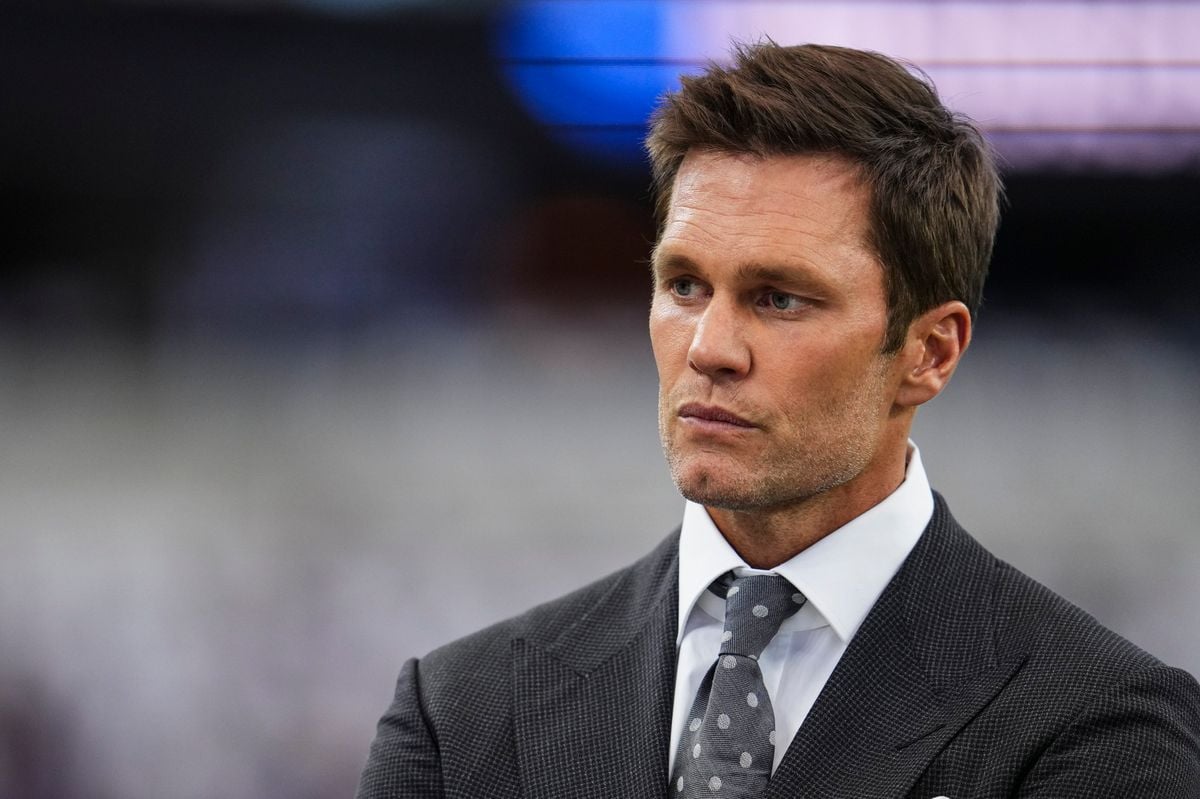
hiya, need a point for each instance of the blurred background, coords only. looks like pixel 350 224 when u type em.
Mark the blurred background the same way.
pixel 322 342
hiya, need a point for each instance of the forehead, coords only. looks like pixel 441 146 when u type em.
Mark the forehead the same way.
pixel 766 208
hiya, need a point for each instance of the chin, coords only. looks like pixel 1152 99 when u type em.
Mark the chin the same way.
pixel 715 485
pixel 716 481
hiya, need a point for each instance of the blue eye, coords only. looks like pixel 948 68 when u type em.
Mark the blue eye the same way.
pixel 683 287
pixel 781 301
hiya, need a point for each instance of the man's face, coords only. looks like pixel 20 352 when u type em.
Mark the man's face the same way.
pixel 768 316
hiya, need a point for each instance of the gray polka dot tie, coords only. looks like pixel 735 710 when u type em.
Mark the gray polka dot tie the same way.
pixel 728 742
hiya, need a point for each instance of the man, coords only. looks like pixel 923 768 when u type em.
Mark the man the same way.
pixel 820 626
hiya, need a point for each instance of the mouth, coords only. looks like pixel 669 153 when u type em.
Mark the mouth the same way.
pixel 712 415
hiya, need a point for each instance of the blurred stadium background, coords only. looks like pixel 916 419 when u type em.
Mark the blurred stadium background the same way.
pixel 323 343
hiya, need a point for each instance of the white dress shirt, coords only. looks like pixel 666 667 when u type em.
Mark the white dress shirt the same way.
pixel 842 575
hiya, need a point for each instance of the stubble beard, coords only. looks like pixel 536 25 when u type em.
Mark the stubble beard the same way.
pixel 773 482
pixel 823 452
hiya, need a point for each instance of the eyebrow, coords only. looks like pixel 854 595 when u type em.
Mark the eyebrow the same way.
pixel 785 277
pixel 768 273
pixel 750 272
pixel 674 262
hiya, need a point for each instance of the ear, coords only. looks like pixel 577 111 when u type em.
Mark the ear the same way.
pixel 936 342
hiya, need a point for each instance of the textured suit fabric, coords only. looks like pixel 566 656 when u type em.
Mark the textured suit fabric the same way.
pixel 967 679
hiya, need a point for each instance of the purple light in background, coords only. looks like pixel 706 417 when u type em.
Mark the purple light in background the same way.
pixel 1055 83
pixel 1064 83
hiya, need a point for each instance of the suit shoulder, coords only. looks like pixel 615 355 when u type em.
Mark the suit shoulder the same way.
pixel 584 616
pixel 1025 616
pixel 1103 701
pixel 1086 666
pixel 1059 634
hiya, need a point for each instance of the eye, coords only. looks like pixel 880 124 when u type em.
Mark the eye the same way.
pixel 782 301
pixel 683 287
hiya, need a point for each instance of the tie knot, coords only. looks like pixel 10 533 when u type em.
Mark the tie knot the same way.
pixel 755 606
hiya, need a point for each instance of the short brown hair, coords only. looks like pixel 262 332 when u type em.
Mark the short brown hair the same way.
pixel 935 191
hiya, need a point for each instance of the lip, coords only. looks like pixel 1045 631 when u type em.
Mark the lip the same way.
pixel 713 416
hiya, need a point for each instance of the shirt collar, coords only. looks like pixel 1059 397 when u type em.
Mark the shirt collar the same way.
pixel 842 575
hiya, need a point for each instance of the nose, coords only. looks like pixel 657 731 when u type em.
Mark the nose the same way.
pixel 719 348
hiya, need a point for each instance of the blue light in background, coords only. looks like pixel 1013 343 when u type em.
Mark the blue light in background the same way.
pixel 591 70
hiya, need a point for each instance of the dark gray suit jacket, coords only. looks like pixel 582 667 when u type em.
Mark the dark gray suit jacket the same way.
pixel 967 679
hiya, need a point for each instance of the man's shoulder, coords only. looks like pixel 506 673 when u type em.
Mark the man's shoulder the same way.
pixel 1082 664
pixel 1031 621
pixel 1029 612
pixel 585 624
pixel 1058 702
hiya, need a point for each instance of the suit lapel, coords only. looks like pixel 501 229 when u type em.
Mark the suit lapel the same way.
pixel 922 665
pixel 597 719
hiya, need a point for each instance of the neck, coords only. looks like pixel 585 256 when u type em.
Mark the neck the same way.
pixel 765 538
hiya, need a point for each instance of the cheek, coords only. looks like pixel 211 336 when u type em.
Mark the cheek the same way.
pixel 811 381
pixel 669 340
